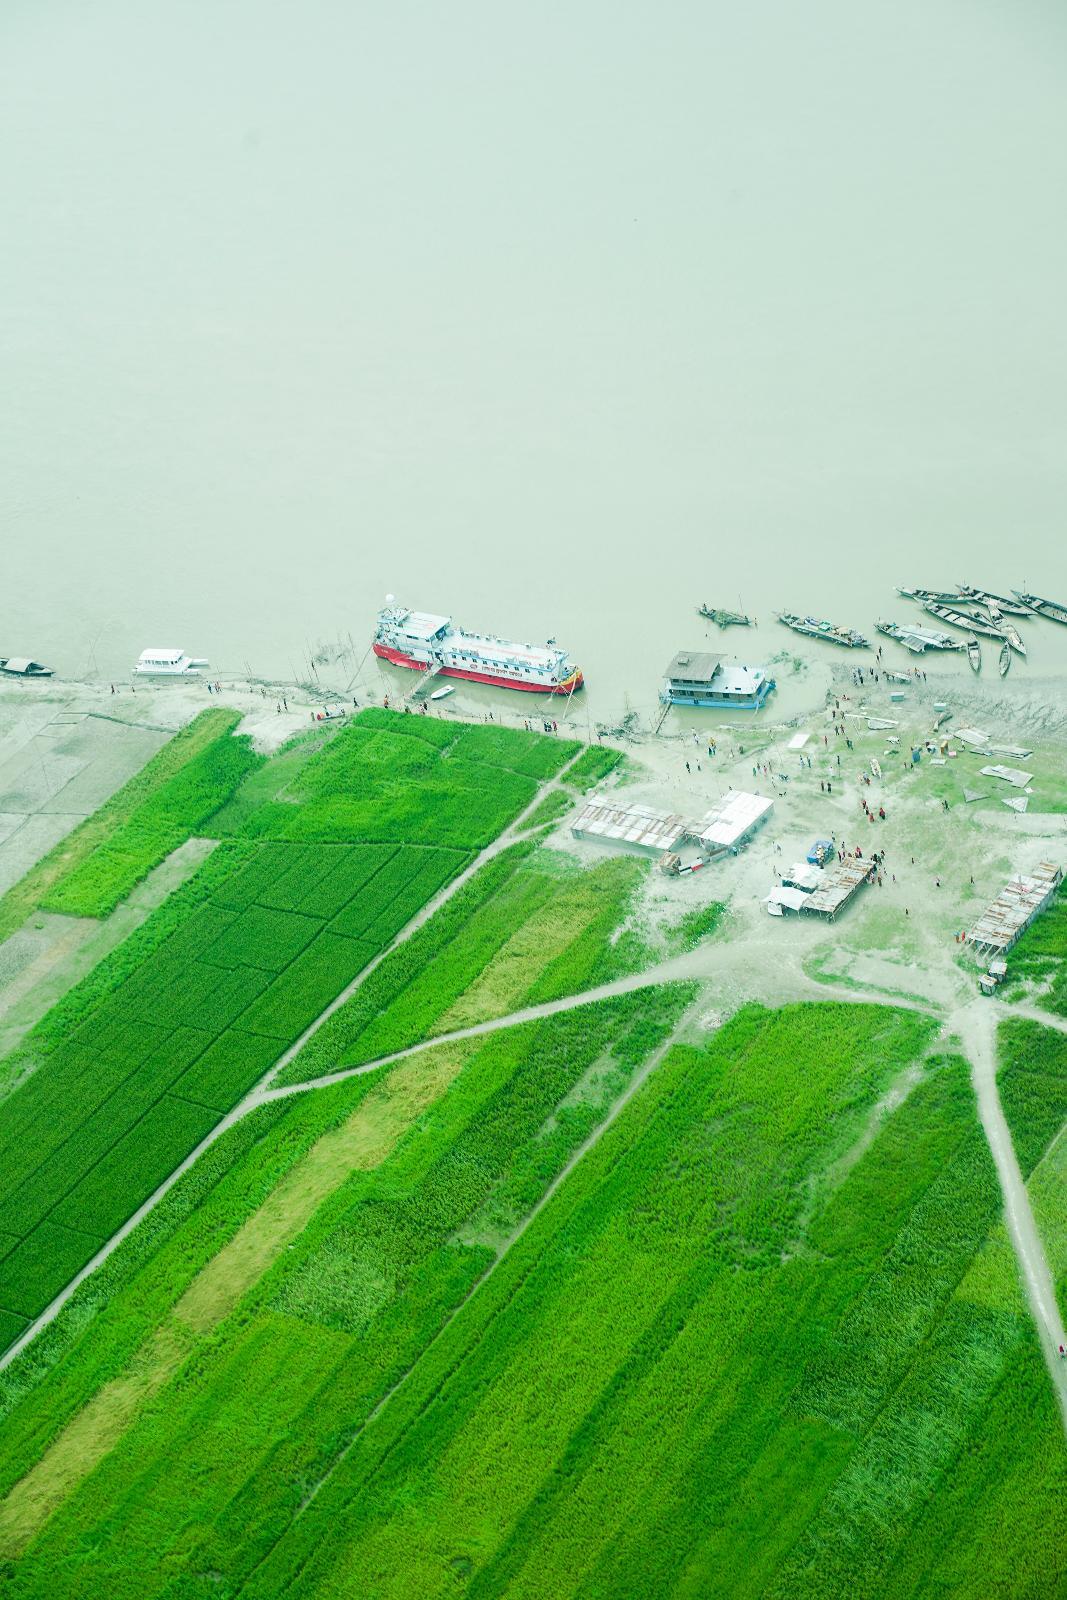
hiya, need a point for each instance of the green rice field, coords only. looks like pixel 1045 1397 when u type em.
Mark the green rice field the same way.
pixel 614 1301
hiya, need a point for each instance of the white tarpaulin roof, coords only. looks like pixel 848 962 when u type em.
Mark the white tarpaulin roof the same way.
pixel 803 875
pixel 1011 775
pixel 728 822
pixel 795 899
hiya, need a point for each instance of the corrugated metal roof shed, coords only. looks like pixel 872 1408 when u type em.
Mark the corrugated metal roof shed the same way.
pixel 692 666
pixel 840 882
pixel 1015 907
pixel 632 826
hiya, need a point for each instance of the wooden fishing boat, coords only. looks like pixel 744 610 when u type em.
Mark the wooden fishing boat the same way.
pixel 1012 635
pixel 815 628
pixel 916 638
pixel 724 619
pixel 1005 658
pixel 974 654
pixel 962 619
pixel 995 602
pixel 1042 608
pixel 945 596
pixel 909 641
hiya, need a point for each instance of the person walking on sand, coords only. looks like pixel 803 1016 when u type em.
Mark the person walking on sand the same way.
pixel 687 767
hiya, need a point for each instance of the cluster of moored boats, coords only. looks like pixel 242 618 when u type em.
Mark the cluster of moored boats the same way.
pixel 978 613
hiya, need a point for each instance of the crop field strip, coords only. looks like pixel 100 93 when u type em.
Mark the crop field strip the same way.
pixel 922 1170
pixel 189 778
pixel 838 1325
pixel 516 934
pixel 348 1305
pixel 267 935
pixel 1040 957
pixel 842 1274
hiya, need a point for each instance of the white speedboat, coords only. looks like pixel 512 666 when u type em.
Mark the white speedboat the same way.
pixel 168 664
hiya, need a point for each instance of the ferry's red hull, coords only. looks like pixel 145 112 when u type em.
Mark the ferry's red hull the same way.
pixel 399 659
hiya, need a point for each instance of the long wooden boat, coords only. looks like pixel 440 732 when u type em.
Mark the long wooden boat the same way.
pixel 1011 634
pixel 988 598
pixel 962 619
pixel 974 654
pixel 1042 608
pixel 724 619
pixel 1005 658
pixel 815 628
pixel 916 638
pixel 945 596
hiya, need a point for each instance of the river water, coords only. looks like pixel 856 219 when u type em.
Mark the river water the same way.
pixel 558 319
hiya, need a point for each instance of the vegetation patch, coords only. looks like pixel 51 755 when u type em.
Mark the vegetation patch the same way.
pixel 362 1234
pixel 592 766
pixel 122 1079
pixel 681 1360
pixel 167 810
pixel 1040 958
pixel 49 874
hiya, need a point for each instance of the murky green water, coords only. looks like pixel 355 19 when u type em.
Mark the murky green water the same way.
pixel 559 319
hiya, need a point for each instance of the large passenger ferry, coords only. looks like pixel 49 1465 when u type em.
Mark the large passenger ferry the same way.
pixel 424 641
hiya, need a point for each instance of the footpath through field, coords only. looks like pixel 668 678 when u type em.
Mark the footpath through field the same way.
pixel 736 971
pixel 259 1092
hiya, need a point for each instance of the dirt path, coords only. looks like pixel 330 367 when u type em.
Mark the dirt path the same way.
pixel 640 1077
pixel 257 1095
pixel 509 836
pixel 792 984
pixel 740 973
pixel 976 1026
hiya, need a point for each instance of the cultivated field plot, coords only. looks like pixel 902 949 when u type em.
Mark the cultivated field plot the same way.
pixel 1038 962
pixel 126 1076
pixel 265 1334
pixel 527 927
pixel 749 1350
pixel 94 867
pixel 765 1339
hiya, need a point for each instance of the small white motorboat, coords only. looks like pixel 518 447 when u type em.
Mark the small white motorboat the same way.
pixel 168 664
pixel 439 694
